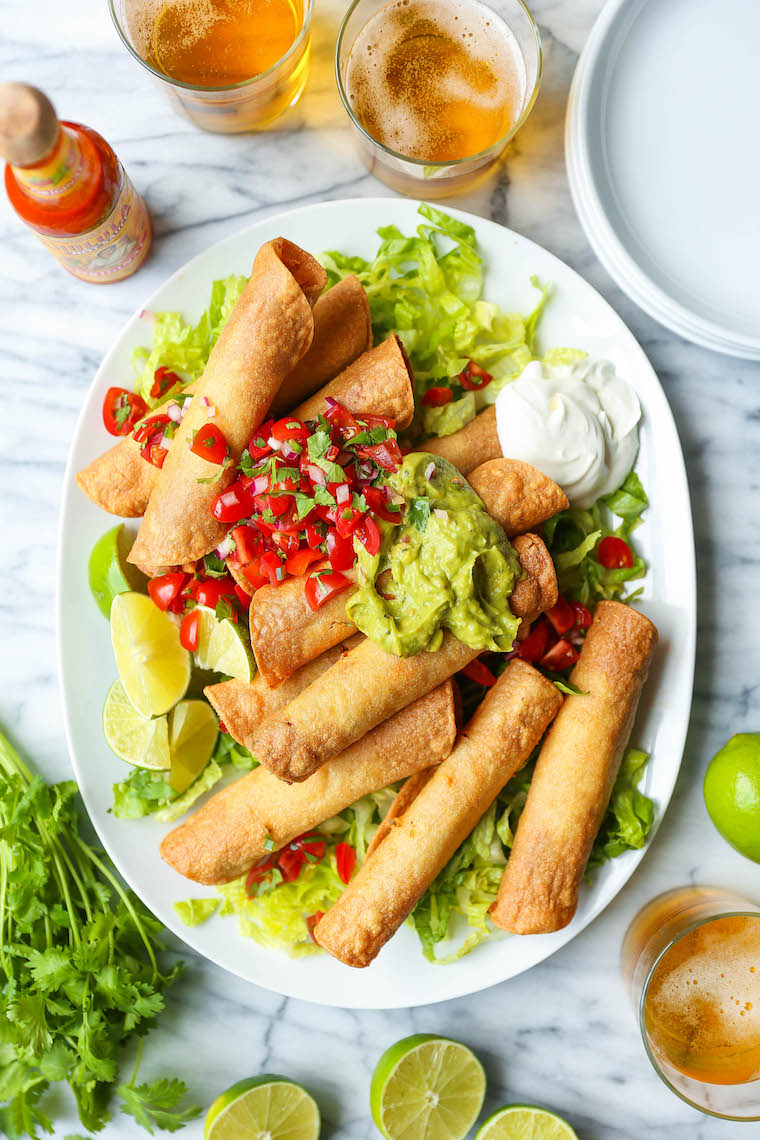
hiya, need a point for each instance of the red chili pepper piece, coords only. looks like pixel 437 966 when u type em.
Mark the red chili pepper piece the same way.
pixel 210 444
pixel 533 647
pixel 163 380
pixel 121 410
pixel 321 587
pixel 164 590
pixel 614 553
pixel 562 616
pixel 188 631
pixel 479 673
pixel 345 858
pixel 437 397
pixel 560 657
pixel 473 377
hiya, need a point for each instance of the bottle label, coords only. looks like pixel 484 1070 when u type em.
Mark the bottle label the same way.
pixel 114 249
pixel 59 175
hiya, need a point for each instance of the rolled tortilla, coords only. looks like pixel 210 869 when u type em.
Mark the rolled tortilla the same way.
pixel 574 775
pixel 227 836
pixel 475 444
pixel 402 801
pixel 360 691
pixel 120 481
pixel 518 496
pixel 379 383
pixel 495 744
pixel 267 333
pixel 286 632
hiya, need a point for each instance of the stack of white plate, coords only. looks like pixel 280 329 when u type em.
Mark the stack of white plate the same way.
pixel 662 143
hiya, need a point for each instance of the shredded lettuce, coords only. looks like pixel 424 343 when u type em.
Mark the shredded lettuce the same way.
pixel 185 348
pixel 195 911
pixel 171 812
pixel 630 816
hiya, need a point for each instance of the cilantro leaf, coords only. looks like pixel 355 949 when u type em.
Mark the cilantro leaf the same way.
pixel 419 512
pixel 155 1105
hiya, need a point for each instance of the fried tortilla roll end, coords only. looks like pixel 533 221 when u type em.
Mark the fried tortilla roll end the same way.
pixel 576 770
pixel 537 591
pixel 518 496
pixel 495 744
pixel 120 480
pixel 364 688
pixel 267 333
pixel 379 383
pixel 238 826
pixel 473 445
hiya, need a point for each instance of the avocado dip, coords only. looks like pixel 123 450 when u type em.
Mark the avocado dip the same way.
pixel 447 566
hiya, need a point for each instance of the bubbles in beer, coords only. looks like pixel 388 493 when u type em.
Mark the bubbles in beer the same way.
pixel 436 80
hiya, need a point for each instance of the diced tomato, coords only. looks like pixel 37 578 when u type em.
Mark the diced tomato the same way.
pixel 165 589
pixel 313 537
pixel 289 428
pixel 479 673
pixel 248 544
pixel 582 615
pixel 340 550
pixel 290 863
pixel 285 541
pixel 473 377
pixel 243 597
pixel 233 504
pixel 163 380
pixel 150 427
pixel 121 410
pixel 276 504
pixel 437 397
pixel 378 504
pixel 379 421
pixel 560 657
pixel 345 858
pixel 258 444
pixel 270 565
pixel 368 534
pixel 253 575
pixel 305 849
pixel 188 631
pixel 210 444
pixel 154 453
pixel 534 645
pixel 385 455
pixel 562 616
pixel 614 553
pixel 321 587
pixel 299 563
pixel 311 922
pixel 210 592
pixel 258 873
pixel 312 844
pixel 342 419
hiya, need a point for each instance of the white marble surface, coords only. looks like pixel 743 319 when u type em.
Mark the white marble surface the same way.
pixel 561 1035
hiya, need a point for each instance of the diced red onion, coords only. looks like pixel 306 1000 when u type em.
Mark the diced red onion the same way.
pixel 224 549
pixel 342 493
pixel 430 471
pixel 316 474
pixel 331 402
pixel 439 514
pixel 260 484
pixel 288 452
pixel 186 403
pixel 275 444
pixel 174 412
pixel 211 411
pixel 229 499
pixel 205 400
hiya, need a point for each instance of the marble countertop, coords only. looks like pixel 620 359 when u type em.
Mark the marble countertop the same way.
pixel 561 1035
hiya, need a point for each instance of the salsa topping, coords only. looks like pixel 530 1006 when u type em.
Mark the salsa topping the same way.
pixel 121 410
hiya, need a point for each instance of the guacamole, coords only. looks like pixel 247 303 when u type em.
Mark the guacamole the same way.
pixel 448 566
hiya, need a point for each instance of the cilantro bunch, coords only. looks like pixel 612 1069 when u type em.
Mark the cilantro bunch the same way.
pixel 78 963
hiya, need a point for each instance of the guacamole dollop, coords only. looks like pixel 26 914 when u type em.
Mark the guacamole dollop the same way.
pixel 447 566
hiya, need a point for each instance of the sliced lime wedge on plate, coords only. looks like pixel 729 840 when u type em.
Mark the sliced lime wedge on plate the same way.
pixel 223 646
pixel 153 667
pixel 138 740
pixel 109 572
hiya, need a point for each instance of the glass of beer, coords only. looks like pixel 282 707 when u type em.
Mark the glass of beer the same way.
pixel 691 959
pixel 435 89
pixel 229 65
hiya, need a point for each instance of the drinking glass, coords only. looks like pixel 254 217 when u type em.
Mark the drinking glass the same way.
pixel 233 109
pixel 658 931
pixel 433 180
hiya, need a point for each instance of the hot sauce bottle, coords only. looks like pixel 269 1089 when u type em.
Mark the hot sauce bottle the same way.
pixel 65 182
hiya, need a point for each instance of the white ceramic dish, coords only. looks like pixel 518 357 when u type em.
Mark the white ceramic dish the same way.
pixel 576 315
pixel 663 162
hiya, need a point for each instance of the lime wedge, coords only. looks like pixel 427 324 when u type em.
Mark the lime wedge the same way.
pixel 110 573
pixel 223 646
pixel 142 742
pixel 427 1088
pixel 193 729
pixel 263 1107
pixel 153 667
pixel 524 1122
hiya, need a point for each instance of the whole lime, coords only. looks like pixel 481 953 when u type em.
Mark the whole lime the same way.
pixel 732 793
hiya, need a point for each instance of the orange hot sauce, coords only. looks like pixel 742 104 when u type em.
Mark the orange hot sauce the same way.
pixel 65 182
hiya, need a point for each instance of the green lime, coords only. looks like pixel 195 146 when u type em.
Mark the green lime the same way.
pixel 223 646
pixel 732 793
pixel 427 1088
pixel 139 741
pixel 110 573
pixel 153 667
pixel 193 729
pixel 263 1108
pixel 524 1122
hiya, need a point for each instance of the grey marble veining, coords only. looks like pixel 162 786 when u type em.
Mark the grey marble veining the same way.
pixel 562 1035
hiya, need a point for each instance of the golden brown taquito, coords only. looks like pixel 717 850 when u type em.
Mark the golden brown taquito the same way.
pixel 379 383
pixel 518 496
pixel 361 690
pixel 574 775
pixel 228 835
pixel 473 445
pixel 286 632
pixel 267 333
pixel 495 744
pixel 402 801
pixel 120 481
pixel 242 706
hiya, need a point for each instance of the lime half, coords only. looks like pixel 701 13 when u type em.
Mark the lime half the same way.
pixel 153 667
pixel 524 1122
pixel 732 793
pixel 193 729
pixel 263 1108
pixel 110 573
pixel 427 1088
pixel 134 738
pixel 223 646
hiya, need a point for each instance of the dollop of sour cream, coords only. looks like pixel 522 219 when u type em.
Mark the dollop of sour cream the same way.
pixel 577 423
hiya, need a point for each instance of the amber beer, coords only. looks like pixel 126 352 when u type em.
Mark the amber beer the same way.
pixel 692 958
pixel 441 83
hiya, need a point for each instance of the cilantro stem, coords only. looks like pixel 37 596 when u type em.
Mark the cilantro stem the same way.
pixel 138 1059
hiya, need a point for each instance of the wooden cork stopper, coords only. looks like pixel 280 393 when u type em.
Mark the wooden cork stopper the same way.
pixel 28 124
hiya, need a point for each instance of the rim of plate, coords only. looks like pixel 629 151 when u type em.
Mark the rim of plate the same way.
pixel 602 236
pixel 545 945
